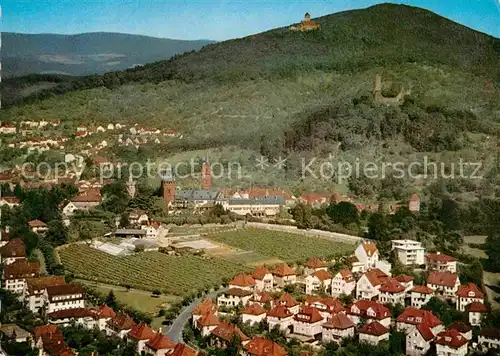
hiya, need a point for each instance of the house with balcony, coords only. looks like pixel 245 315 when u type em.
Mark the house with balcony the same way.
pixel 373 333
pixel 409 252
pixel 318 281
pixel 440 262
pixel 468 293
pixel 343 283
pixel 337 328
pixel 451 342
pixel 444 283
pixel 420 295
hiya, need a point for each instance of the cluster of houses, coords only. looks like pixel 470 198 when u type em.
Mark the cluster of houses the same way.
pixel 64 303
pixel 322 318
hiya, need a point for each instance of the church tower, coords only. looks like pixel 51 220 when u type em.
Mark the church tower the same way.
pixel 206 175
pixel 168 188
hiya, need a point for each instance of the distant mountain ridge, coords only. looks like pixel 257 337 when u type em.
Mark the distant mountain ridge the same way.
pixel 87 53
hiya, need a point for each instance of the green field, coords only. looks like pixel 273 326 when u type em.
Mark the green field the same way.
pixel 177 275
pixel 285 246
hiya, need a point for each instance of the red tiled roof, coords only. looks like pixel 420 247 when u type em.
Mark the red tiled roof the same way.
pixel 227 332
pixel 415 316
pixel 208 319
pixel 422 290
pixel 392 286
pixel 425 331
pixel 243 280
pixel 14 248
pixel 403 278
pixel 41 283
pixel 288 301
pixel 21 269
pixel 254 309
pixel 309 315
pixel 446 279
pixel 11 200
pixel 183 350
pixel 322 275
pixel 238 292
pixel 451 338
pixel 141 332
pixel 39 331
pixel 469 290
pixel 339 321
pixel 160 342
pixel 36 223
pixel 71 313
pixel 332 305
pixel 460 326
pixel 260 272
pixel 491 333
pixel 262 297
pixel 64 289
pixel 121 322
pixel 105 312
pixel 381 311
pixel 376 276
pixel 345 273
pixel 374 328
pixel 283 270
pixel 439 257
pixel 476 307
pixel 370 248
pixel 316 263
pixel 280 312
pixel 89 195
pixel 260 346
pixel 206 306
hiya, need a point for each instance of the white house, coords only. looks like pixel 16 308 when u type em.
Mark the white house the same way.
pixel 119 325
pixel 160 345
pixel 81 316
pixel 451 342
pixel 463 328
pixel 314 265
pixel 243 281
pixel 367 253
pixel 405 281
pixel 343 283
pixel 280 316
pixel 253 314
pixel 418 340
pixel 14 250
pixel 368 286
pixel 319 280
pixel 440 263
pixel 373 333
pixel 444 283
pixel 263 279
pixel 308 322
pixel 489 338
pixel 283 275
pixel 138 217
pixel 141 334
pixel 207 323
pixel 234 297
pixel 15 275
pixel 338 327
pixel 409 252
pixel 420 295
pixel 412 317
pixel 369 311
pixel 289 302
pixel 34 290
pixel 476 312
pixel 392 292
pixel 103 315
pixel 327 306
pixel 63 296
pixel 468 293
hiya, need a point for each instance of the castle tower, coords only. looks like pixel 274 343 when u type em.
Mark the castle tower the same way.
pixel 168 188
pixel 206 176
pixel 307 17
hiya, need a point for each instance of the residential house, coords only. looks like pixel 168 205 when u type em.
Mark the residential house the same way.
pixel 444 283
pixel 260 346
pixel 318 281
pixel 281 317
pixel 63 296
pixel 138 217
pixel 34 290
pixel 206 323
pixel 368 286
pixel 405 281
pixel 16 273
pixel 141 334
pixel 12 251
pixel 356 265
pixel 160 345
pixel 373 333
pixel 476 311
pixel 10 201
pixel 409 252
pixel 336 328
pixel 234 297
pixel 264 279
pixel 13 332
pixel 289 302
pixel 418 339
pixel 468 293
pixel 283 275
pixel 367 253
pixel 224 334
pixel 440 263
pixel 65 317
pixel 243 281
pixel 420 295
pixel 38 226
pixel 489 338
pixel 102 315
pixel 343 283
pixel 49 340
pixel 315 265
pixel 392 292
pixel 203 308
pixel 307 322
pixel 86 200
pixel 152 229
pixel 264 299
pixel 411 317
pixel 326 306
pixel 451 343
pixel 253 314
pixel 119 325
pixel 462 328
pixel 369 311
pixel 184 350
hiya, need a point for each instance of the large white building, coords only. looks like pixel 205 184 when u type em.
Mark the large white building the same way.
pixel 409 252
pixel 64 296
pixel 367 254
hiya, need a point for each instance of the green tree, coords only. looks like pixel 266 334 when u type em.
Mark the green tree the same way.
pixel 344 213
pixel 57 233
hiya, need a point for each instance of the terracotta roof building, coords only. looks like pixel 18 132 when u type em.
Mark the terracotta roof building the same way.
pixel 16 273
pixel 225 333
pixel 444 283
pixel 260 346
pixel 440 262
pixel 373 333
pixel 468 293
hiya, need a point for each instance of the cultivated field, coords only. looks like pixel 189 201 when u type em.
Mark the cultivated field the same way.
pixel 177 275
pixel 285 246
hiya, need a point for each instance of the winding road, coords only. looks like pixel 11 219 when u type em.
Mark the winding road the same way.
pixel 175 330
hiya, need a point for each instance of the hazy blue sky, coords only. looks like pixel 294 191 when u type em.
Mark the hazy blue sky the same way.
pixel 209 19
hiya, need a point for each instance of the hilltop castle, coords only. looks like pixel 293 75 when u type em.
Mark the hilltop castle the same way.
pixel 306 24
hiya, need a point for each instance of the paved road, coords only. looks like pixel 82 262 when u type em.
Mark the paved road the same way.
pixel 175 330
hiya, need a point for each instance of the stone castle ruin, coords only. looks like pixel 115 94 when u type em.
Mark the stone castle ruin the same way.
pixel 378 98
pixel 306 24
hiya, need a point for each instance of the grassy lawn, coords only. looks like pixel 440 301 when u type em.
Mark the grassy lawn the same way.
pixel 285 246
pixel 176 275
